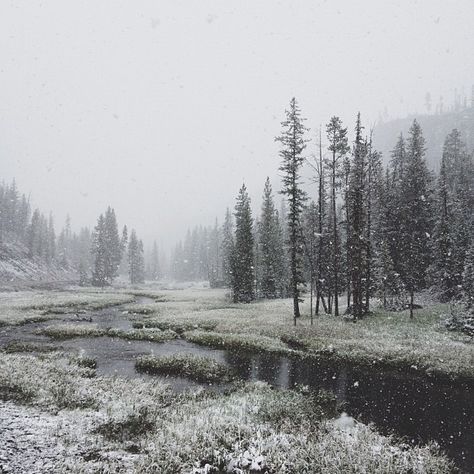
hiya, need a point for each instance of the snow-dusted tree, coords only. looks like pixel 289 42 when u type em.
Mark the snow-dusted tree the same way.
pixel 106 249
pixel 243 256
pixel 154 266
pixel 99 252
pixel 389 285
pixel 443 267
pixel 269 245
pixel 468 278
pixel 34 234
pixel 123 267
pixel 135 259
pixel 293 144
pixel 113 245
pixel 338 148
pixel 214 257
pixel 357 221
pixel 51 241
pixel 373 194
pixel 227 248
pixel 415 213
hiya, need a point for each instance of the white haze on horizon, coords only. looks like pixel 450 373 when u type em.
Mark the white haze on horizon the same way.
pixel 162 109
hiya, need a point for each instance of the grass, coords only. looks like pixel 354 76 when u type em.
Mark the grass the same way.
pixel 200 369
pixel 24 307
pixel 246 431
pixel 382 338
pixel 154 335
pixel 69 331
pixel 250 427
pixel 234 341
pixel 178 327
pixel 19 346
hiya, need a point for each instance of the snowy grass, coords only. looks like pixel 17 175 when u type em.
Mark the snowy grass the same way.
pixel 382 338
pixel 178 327
pixel 200 369
pixel 20 346
pixel 36 306
pixel 154 335
pixel 253 428
pixel 69 331
pixel 247 431
pixel 234 341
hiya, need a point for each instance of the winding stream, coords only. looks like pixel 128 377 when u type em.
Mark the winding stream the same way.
pixel 416 408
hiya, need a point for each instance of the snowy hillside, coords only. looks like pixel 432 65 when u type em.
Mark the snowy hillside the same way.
pixel 17 266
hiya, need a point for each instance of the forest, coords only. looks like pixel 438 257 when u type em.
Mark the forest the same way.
pixel 371 230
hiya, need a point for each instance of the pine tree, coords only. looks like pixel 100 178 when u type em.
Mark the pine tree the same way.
pixel 135 259
pixel 155 271
pixel 373 189
pixel 215 264
pixel 444 269
pixel 357 221
pixel 415 206
pixel 337 136
pixel 227 249
pixel 99 252
pixel 293 144
pixel 243 257
pixel 468 279
pixel 269 246
pixel 113 248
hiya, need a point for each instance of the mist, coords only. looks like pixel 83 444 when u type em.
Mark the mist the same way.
pixel 163 109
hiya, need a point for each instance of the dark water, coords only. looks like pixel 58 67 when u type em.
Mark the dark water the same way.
pixel 419 409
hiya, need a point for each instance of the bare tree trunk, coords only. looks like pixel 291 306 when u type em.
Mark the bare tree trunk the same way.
pixel 335 246
pixel 412 296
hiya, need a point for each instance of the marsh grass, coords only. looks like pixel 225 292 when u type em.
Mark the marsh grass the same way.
pixel 236 341
pixel 178 327
pixel 24 307
pixel 134 425
pixel 200 369
pixel 255 429
pixel 248 427
pixel 69 331
pixel 20 346
pixel 384 339
pixel 154 335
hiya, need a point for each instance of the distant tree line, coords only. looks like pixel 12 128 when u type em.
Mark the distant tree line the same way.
pixel 98 256
pixel 369 231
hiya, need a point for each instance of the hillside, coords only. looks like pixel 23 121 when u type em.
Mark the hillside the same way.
pixel 18 268
pixel 435 128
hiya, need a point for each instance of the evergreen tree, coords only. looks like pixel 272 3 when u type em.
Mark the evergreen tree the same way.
pixel 99 251
pixel 113 247
pixel 337 136
pixel 155 272
pixel 293 144
pixel 135 259
pixel 227 249
pixel 357 221
pixel 444 268
pixel 243 257
pixel 415 206
pixel 269 245
pixel 468 279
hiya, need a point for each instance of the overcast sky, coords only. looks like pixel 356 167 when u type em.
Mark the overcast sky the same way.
pixel 162 108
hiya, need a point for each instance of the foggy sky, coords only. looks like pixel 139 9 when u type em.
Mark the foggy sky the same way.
pixel 162 108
